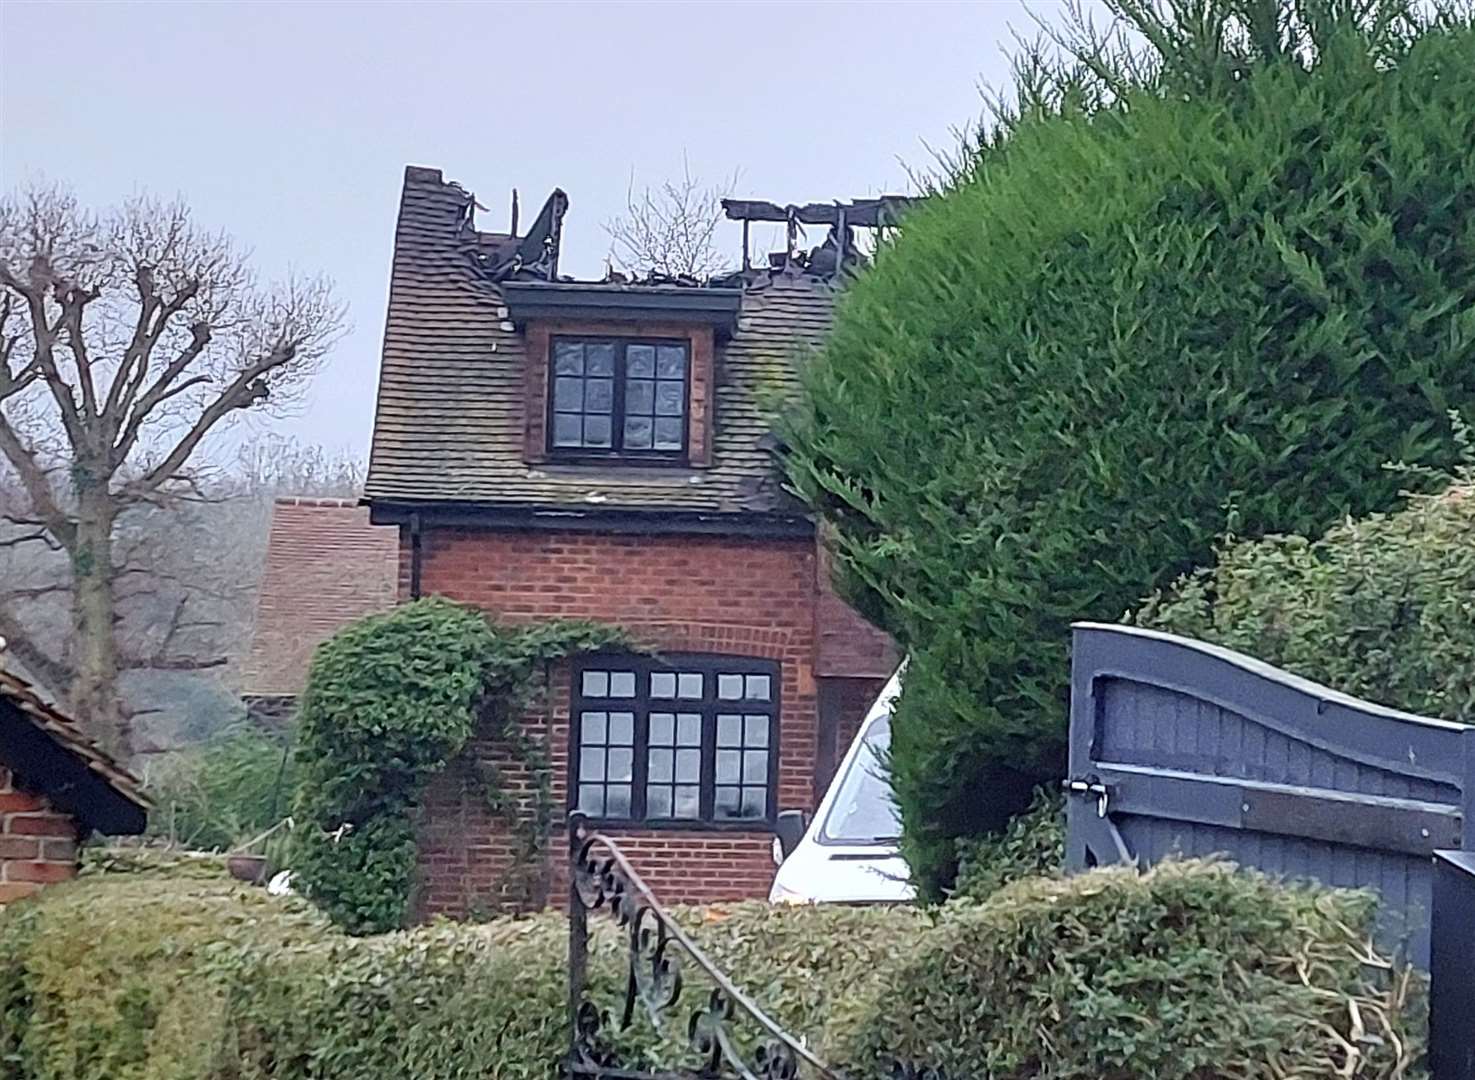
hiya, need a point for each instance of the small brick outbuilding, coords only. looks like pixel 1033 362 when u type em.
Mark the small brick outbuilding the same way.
pixel 56 788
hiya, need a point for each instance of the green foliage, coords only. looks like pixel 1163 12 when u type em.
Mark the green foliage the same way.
pixel 391 701
pixel 1378 607
pixel 1191 971
pixel 223 793
pixel 107 977
pixel 1124 332
pixel 1032 845
pixel 127 858
pixel 138 978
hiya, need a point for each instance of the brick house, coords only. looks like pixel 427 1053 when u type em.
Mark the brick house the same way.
pixel 602 450
pixel 56 788
pixel 326 567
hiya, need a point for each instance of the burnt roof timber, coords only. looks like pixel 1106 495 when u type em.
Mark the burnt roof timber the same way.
pixel 862 213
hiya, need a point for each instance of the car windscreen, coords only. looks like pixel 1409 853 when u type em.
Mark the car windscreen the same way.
pixel 863 812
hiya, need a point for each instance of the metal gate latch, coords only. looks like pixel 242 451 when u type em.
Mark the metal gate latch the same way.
pixel 1091 787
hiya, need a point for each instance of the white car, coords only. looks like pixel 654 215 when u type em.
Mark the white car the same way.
pixel 848 854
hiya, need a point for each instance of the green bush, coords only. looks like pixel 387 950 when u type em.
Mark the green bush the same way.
pixel 224 792
pixel 1187 972
pixel 1032 845
pixel 1192 971
pixel 390 701
pixel 107 978
pixel 1378 607
pixel 139 978
pixel 123 857
pixel 1121 334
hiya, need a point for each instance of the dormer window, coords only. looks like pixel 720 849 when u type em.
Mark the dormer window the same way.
pixel 619 397
pixel 619 376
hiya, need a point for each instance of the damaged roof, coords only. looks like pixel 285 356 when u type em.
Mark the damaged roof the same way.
pixel 48 753
pixel 450 415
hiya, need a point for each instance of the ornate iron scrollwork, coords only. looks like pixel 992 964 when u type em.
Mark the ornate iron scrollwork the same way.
pixel 657 950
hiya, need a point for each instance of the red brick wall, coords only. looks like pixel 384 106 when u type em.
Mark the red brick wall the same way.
pixel 38 844
pixel 847 646
pixel 697 594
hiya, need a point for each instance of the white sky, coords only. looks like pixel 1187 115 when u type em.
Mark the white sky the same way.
pixel 289 124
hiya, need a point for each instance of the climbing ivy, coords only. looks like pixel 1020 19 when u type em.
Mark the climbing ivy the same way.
pixel 391 701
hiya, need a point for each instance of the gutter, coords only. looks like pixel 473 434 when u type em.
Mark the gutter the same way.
pixel 418 515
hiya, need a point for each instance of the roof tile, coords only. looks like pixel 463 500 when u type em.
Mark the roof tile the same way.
pixel 63 731
pixel 326 567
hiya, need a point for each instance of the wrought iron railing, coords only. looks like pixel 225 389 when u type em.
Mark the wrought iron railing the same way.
pixel 727 1034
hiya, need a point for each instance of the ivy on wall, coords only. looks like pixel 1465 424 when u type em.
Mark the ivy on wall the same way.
pixel 393 700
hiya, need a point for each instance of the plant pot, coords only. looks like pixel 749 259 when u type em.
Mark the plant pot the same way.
pixel 248 868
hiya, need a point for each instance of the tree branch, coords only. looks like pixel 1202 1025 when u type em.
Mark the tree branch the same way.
pixel 44 334
pixel 175 663
pixel 245 390
pixel 39 536
pixel 38 489
pixel 12 385
pixel 53 674
pixel 35 592
pixel 74 302
pixel 138 411
pixel 125 388
pixel 12 382
pixel 135 356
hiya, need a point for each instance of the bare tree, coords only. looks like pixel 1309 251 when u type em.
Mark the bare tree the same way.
pixel 187 575
pixel 671 231
pixel 126 337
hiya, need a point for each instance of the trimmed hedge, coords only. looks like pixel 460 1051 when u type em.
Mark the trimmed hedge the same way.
pixel 137 977
pixel 1191 971
pixel 1108 976
pixel 1124 333
pixel 1379 607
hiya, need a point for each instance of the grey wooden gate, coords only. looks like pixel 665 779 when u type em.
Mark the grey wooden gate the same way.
pixel 1452 968
pixel 1177 746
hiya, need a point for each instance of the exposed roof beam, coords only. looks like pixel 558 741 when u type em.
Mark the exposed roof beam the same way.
pixel 862 213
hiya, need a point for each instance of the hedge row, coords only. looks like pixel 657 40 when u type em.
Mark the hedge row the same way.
pixel 1186 972
pixel 140 977
pixel 1378 607
pixel 1192 971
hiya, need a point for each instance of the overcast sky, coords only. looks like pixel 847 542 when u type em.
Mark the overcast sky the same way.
pixel 289 124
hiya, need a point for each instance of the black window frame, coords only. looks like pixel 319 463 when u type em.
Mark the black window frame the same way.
pixel 709 705
pixel 617 451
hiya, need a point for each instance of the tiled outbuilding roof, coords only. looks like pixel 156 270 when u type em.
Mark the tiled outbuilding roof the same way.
pixel 326 567
pixel 48 752
pixel 450 418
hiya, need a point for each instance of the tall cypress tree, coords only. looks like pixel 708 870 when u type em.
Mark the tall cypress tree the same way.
pixel 1216 280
